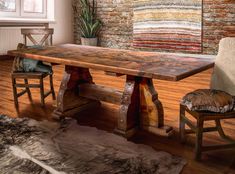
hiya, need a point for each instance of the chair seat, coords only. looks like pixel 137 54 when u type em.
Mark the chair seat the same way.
pixel 209 100
pixel 29 75
pixel 208 115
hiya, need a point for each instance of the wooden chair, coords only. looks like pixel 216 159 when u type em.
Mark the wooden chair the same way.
pixel 26 76
pixel 224 68
pixel 46 33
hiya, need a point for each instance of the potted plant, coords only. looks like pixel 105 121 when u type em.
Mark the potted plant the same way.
pixel 88 23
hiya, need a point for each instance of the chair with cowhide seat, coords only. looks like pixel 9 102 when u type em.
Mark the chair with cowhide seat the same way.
pixel 212 104
pixel 28 69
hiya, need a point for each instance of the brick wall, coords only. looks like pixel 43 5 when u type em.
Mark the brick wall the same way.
pixel 116 15
pixel 218 22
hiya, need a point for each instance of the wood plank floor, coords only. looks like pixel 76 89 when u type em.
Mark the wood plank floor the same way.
pixel 170 94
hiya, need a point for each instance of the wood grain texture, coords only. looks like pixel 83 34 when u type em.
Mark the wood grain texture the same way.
pixel 98 92
pixel 140 68
pixel 68 101
pixel 151 110
pixel 151 107
pixel 135 63
pixel 128 118
pixel 169 93
pixel 139 103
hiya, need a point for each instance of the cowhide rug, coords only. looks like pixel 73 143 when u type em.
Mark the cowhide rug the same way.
pixel 28 146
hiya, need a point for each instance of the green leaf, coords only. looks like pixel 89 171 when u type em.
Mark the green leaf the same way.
pixel 89 25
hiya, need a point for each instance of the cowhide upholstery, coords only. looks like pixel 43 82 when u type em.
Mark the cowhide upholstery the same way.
pixel 220 98
pixel 209 100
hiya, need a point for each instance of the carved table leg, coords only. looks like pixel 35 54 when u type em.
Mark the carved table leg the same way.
pixel 140 107
pixel 128 118
pixel 152 115
pixel 68 101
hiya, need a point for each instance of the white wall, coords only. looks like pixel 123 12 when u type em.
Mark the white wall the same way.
pixel 63 28
pixel 64 22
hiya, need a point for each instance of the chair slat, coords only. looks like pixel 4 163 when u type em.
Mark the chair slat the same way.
pixel 45 37
pixel 37 31
pixel 32 39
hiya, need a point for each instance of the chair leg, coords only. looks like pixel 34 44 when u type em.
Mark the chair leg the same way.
pixel 182 124
pixel 15 92
pixel 221 131
pixel 42 92
pixel 28 90
pixel 52 87
pixel 199 138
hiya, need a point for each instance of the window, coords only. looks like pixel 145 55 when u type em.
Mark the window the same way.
pixel 26 9
pixel 8 5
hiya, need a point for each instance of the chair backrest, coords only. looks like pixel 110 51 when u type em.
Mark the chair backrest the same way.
pixel 223 77
pixel 45 32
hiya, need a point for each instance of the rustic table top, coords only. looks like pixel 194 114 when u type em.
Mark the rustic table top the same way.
pixel 137 63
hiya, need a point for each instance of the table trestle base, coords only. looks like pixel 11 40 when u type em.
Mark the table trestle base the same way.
pixel 139 103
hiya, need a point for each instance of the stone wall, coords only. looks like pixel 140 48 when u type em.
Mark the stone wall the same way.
pixel 218 22
pixel 116 15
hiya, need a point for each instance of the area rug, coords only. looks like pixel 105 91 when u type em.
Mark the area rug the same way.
pixel 28 146
pixel 168 25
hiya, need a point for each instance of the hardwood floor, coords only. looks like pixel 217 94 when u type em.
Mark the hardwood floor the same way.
pixel 170 94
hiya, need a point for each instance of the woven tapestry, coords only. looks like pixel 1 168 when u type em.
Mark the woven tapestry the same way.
pixel 168 25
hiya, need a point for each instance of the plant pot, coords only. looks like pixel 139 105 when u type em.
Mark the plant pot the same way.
pixel 89 41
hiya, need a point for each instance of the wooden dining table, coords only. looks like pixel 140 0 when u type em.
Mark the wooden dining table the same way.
pixel 140 107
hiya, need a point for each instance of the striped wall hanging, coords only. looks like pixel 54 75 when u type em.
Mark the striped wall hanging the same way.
pixel 168 25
